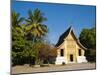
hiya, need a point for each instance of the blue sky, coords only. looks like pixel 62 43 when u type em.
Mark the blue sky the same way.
pixel 60 16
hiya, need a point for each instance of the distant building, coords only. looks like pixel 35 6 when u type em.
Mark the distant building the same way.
pixel 69 49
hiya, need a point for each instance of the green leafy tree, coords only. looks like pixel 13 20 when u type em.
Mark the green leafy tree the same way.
pixel 22 49
pixel 18 41
pixel 29 53
pixel 88 39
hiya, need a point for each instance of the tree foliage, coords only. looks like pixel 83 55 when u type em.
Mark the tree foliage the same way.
pixel 88 39
pixel 18 40
pixel 28 45
pixel 35 28
pixel 47 52
pixel 16 19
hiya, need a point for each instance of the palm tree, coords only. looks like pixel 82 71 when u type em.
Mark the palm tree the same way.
pixel 16 24
pixel 16 19
pixel 35 27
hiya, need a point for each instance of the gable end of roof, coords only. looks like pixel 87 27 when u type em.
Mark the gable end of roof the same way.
pixel 63 36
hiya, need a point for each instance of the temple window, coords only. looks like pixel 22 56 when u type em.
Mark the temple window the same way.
pixel 79 52
pixel 62 52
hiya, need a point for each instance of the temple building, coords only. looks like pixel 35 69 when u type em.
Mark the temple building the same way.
pixel 69 49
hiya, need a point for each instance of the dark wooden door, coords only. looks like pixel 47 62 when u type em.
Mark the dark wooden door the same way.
pixel 71 58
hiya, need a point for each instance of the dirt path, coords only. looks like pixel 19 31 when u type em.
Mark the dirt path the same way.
pixel 68 67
